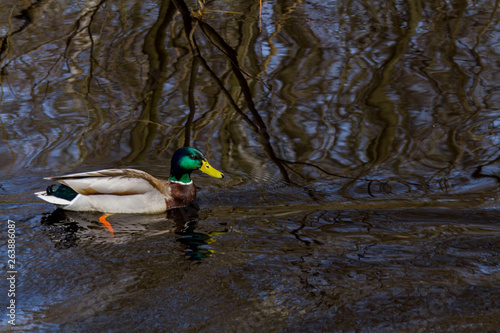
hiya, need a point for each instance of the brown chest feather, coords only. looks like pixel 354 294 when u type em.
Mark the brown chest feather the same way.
pixel 181 195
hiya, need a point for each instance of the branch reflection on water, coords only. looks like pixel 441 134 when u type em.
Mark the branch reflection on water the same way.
pixel 372 107
pixel 305 96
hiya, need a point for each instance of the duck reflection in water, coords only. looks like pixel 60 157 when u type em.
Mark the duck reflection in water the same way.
pixel 66 228
pixel 197 243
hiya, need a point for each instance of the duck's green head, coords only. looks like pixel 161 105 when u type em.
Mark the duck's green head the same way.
pixel 188 159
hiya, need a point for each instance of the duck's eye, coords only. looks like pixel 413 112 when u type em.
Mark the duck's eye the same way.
pixel 191 157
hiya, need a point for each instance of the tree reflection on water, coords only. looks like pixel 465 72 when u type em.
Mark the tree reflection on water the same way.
pixel 345 129
pixel 364 91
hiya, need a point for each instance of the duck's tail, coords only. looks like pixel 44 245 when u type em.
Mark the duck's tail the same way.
pixel 60 195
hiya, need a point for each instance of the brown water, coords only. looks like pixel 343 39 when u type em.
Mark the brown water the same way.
pixel 359 140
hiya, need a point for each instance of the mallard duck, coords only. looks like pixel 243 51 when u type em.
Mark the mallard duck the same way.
pixel 129 190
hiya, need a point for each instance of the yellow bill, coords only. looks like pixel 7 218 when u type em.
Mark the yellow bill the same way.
pixel 207 168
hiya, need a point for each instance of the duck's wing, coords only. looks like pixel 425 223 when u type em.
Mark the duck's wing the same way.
pixel 113 181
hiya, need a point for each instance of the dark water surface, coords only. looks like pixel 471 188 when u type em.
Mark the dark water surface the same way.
pixel 360 145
